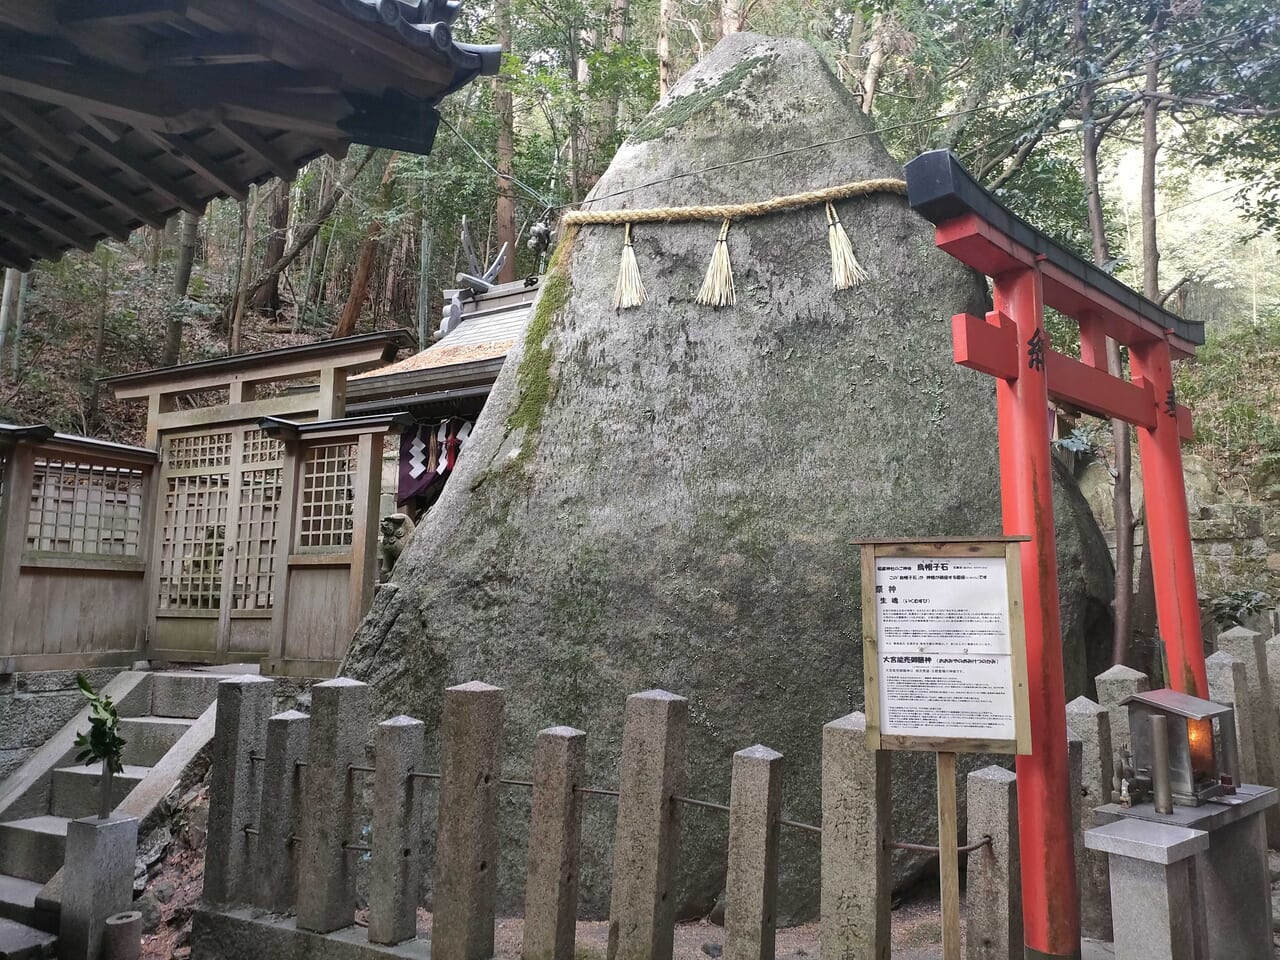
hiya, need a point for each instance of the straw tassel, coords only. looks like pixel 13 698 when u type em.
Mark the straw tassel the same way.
pixel 717 289
pixel 630 289
pixel 846 272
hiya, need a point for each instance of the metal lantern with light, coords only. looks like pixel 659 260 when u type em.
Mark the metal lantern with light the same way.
pixel 1184 748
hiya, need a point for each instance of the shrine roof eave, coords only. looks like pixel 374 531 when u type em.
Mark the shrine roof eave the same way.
pixel 282 362
pixel 120 113
pixel 942 191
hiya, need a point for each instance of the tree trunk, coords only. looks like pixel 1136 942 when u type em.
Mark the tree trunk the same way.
pixel 607 118
pixel 1122 505
pixel 664 46
pixel 1143 616
pixel 248 213
pixel 104 791
pixel 23 285
pixel 731 12
pixel 266 298
pixel 506 202
pixel 364 262
pixel 7 299
pixel 99 342
pixel 187 237
pixel 322 215
pixel 875 65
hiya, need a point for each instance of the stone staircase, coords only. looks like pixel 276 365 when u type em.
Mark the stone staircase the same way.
pixel 31 848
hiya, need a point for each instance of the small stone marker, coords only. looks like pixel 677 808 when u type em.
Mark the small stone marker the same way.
pixel 555 830
pixel 1092 723
pixel 99 883
pixel 1154 898
pixel 395 871
pixel 1075 775
pixel 993 923
pixel 1249 646
pixel 1229 683
pixel 751 885
pixel 336 742
pixel 467 825
pixel 855 835
pixel 642 906
pixel 244 703
pixel 1114 685
pixel 287 735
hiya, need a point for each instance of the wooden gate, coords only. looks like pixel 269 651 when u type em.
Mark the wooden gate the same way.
pixel 216 543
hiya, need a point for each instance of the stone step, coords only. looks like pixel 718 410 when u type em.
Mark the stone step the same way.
pixel 18 901
pixel 32 849
pixel 183 693
pixel 148 739
pixel 20 942
pixel 75 789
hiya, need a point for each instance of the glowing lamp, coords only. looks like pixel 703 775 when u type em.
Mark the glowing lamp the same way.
pixel 1198 759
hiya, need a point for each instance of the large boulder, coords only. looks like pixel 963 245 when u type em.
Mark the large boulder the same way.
pixel 668 496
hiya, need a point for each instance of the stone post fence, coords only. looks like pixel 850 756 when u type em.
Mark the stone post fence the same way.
pixel 297 802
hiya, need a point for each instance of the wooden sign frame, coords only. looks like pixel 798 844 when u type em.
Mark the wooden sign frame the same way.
pixel 932 550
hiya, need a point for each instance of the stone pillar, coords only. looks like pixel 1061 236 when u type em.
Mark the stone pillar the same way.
pixel 993 917
pixel 1249 646
pixel 244 703
pixel 1092 723
pixel 1229 683
pixel 1155 901
pixel 555 832
pixel 1075 776
pixel 467 825
pixel 98 883
pixel 395 873
pixel 281 797
pixel 331 792
pixel 642 908
pixel 751 885
pixel 1114 685
pixel 855 837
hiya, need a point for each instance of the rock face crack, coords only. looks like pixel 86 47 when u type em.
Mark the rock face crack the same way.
pixel 665 497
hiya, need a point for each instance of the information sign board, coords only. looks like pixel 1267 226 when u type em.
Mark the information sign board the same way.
pixel 943 646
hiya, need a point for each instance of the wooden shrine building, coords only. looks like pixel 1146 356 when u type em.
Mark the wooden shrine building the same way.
pixel 120 113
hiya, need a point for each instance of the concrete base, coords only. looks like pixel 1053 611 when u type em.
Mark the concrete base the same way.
pixel 1233 875
pixel 236 934
pixel 99 882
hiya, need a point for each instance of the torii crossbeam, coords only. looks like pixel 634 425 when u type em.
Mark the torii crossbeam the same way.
pixel 1030 271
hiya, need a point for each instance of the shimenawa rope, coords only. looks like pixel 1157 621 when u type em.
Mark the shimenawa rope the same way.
pixel 718 288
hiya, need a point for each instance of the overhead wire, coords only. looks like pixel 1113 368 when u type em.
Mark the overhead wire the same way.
pixel 1128 70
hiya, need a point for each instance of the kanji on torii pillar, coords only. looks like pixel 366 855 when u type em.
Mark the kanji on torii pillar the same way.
pixel 1028 272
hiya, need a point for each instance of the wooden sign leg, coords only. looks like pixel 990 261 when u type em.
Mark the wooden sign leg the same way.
pixel 948 856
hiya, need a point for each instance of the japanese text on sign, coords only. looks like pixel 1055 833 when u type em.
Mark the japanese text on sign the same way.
pixel 943 643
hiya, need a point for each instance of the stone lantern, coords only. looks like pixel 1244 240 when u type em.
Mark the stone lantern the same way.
pixel 1184 748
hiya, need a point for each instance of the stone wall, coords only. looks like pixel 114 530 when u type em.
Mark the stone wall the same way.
pixel 34 706
pixel 1235 541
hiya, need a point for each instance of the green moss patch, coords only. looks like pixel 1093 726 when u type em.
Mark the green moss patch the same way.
pixel 533 378
pixel 683 109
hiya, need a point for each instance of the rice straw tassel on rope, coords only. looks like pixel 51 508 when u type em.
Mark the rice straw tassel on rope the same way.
pixel 846 272
pixel 717 289
pixel 630 289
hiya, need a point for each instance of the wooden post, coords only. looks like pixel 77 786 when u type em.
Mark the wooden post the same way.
pixel 16 484
pixel 286 532
pixel 364 527
pixel 949 856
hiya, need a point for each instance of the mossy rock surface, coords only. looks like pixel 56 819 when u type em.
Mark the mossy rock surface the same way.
pixel 668 496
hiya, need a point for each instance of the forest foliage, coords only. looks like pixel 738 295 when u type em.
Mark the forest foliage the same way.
pixel 1015 87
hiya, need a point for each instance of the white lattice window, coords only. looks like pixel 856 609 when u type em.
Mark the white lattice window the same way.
pixel 255 540
pixel 327 504
pixel 84 508
pixel 199 450
pixel 191 554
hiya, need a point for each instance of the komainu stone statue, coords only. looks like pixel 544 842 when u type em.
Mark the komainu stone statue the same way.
pixel 667 496
pixel 394 531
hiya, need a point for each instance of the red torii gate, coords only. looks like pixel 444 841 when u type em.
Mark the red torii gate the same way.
pixel 1028 271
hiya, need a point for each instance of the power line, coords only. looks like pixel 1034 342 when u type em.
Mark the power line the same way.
pixel 1051 91
pixel 494 170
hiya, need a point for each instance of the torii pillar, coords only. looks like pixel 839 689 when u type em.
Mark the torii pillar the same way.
pixel 1028 271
